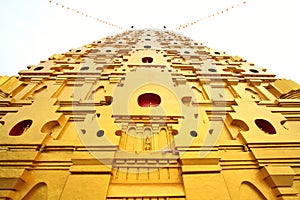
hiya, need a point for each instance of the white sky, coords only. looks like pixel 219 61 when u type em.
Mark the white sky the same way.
pixel 265 32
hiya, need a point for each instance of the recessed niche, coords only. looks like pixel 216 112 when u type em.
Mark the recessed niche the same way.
pixel 186 100
pixel 193 133
pixel 147 47
pixel 108 100
pixel 100 133
pixel 253 70
pixel 149 100
pixel 84 68
pixel 118 132
pixel 212 70
pixel 240 124
pixel 20 128
pixel 174 132
pixel 147 59
pixel 1 124
pixel 38 68
pixel 50 127
pixel 265 126
pixel 39 191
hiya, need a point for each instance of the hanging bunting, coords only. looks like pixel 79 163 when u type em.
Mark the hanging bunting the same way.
pixel 209 16
pixel 86 15
pixel 187 25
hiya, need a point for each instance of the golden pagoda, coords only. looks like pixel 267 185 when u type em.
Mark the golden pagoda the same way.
pixel 148 115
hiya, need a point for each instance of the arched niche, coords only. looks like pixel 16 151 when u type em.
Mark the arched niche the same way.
pixel 147 140
pixel 265 126
pixel 40 90
pixel 2 123
pixel 248 191
pixel 163 139
pixel 147 132
pixel 130 140
pixel 51 127
pixel 198 94
pixel 240 124
pixel 21 127
pixel 149 100
pixel 147 59
pixel 39 191
pixel 98 93
pixel 186 100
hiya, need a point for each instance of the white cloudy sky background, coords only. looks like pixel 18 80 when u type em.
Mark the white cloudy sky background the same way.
pixel 264 32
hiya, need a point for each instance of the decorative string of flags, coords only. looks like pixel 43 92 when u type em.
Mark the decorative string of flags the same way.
pixel 187 25
pixel 86 15
pixel 210 16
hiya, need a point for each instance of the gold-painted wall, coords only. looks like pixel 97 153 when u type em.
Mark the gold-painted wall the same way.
pixel 144 115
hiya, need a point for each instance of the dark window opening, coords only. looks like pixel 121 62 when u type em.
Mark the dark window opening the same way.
pixel 174 132
pixel 84 68
pixel 149 100
pixel 38 68
pixel 265 126
pixel 108 100
pixel 253 71
pixel 100 133
pixel 193 133
pixel 212 70
pixel 20 128
pixel 147 59
pixel 118 132
pixel 147 47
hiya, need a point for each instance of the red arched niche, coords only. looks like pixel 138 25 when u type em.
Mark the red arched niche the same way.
pixel 265 126
pixel 20 127
pixel 149 99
